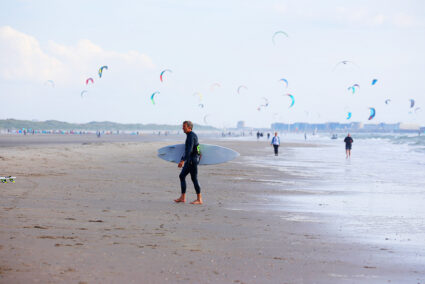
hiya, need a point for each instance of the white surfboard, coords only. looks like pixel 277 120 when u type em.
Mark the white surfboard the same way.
pixel 210 154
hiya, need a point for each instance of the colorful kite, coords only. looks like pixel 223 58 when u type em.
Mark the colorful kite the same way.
pixel 284 81
pixel 50 82
pixel 89 80
pixel 293 100
pixel 279 33
pixel 348 115
pixel 372 113
pixel 152 97
pixel 241 87
pixel 162 73
pixel 101 70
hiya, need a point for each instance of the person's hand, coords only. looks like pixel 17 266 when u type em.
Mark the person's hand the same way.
pixel 180 164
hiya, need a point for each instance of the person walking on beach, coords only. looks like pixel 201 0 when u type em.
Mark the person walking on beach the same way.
pixel 348 141
pixel 275 143
pixel 189 162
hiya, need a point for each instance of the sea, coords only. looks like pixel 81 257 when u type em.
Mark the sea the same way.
pixel 377 196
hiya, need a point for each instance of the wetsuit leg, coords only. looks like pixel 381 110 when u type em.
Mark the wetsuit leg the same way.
pixel 194 176
pixel 185 171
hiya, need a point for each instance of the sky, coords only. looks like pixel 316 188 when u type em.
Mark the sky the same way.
pixel 212 48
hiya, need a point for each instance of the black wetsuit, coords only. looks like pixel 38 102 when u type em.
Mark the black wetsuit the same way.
pixel 348 141
pixel 191 159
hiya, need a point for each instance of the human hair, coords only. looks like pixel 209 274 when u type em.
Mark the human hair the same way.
pixel 188 123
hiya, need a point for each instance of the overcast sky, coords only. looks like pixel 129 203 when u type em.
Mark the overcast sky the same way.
pixel 207 42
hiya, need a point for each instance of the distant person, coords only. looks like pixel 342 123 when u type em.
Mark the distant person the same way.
pixel 348 141
pixel 275 143
pixel 305 136
pixel 268 136
pixel 258 134
pixel 189 162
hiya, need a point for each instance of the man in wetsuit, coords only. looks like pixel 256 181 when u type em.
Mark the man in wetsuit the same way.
pixel 189 162
pixel 348 141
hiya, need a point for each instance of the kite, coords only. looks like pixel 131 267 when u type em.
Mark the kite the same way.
pixel 417 109
pixel 372 113
pixel 412 103
pixel 285 81
pixel 83 92
pixel 101 70
pixel 205 118
pixel 88 80
pixel 152 96
pixel 201 105
pixel 374 81
pixel 162 73
pixel 214 86
pixel 50 82
pixel 199 95
pixel 344 62
pixel 387 101
pixel 266 102
pixel 240 87
pixel 293 100
pixel 348 115
pixel 277 33
pixel 353 88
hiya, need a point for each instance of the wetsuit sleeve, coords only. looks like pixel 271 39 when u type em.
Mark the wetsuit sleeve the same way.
pixel 188 147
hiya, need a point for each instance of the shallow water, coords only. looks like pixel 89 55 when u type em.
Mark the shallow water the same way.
pixel 377 196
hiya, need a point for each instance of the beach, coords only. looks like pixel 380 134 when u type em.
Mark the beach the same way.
pixel 102 211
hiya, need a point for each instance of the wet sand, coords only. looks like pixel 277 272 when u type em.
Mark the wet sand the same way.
pixel 98 212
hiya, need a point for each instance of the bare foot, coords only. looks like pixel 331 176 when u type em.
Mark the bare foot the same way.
pixel 198 202
pixel 179 200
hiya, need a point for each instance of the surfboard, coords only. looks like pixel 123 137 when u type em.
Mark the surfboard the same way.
pixel 5 179
pixel 210 154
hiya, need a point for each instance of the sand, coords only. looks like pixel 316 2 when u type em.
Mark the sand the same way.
pixel 102 212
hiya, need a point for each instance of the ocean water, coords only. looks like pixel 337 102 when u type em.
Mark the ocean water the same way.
pixel 376 196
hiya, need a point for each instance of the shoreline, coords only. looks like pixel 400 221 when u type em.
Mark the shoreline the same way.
pixel 59 223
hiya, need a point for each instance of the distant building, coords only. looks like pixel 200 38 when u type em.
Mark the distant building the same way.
pixel 240 124
pixel 356 126
pixel 408 126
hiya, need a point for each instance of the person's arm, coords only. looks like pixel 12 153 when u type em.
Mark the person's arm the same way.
pixel 188 147
pixel 190 140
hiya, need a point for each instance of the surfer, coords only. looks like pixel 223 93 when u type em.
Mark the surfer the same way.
pixel 189 162
pixel 275 143
pixel 348 141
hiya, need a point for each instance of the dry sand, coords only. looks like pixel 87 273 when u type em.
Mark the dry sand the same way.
pixel 103 213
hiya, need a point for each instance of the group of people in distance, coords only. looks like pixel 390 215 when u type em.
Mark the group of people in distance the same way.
pixel 190 159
